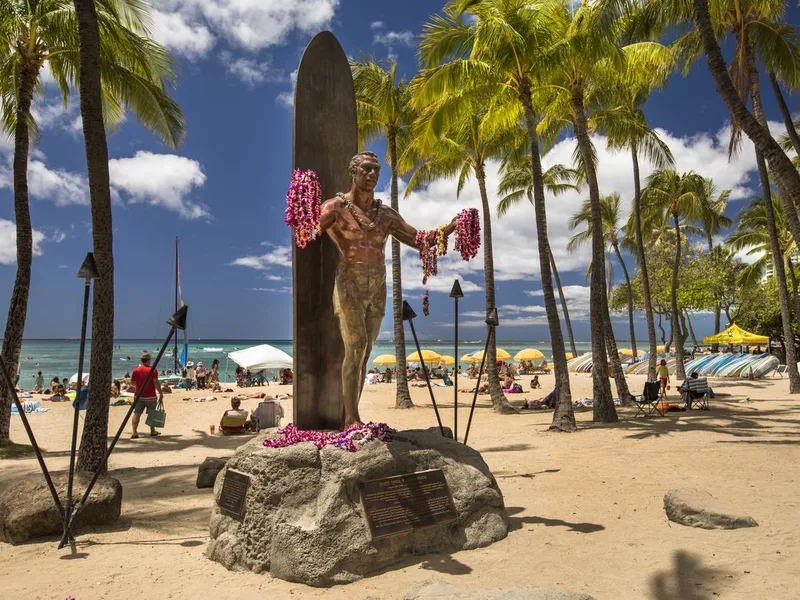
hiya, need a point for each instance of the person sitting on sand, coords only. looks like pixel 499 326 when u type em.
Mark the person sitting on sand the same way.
pixel 535 385
pixel 59 394
pixel 54 383
pixel 234 420
pixel 550 400
pixel 116 389
pixel 201 373
pixel 388 374
pixel 508 382
pixel 472 372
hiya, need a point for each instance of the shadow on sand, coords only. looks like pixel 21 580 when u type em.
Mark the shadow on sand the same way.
pixel 688 579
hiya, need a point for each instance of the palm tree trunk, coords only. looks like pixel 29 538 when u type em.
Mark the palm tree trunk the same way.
pixel 563 300
pixel 786 176
pixel 691 329
pixel 677 333
pixel 563 416
pixel 18 307
pixel 402 396
pixel 95 429
pixel 630 297
pixel 648 301
pixel 754 88
pixel 785 113
pixel 717 307
pixel 499 402
pixel 793 280
pixel 613 356
pixel 604 410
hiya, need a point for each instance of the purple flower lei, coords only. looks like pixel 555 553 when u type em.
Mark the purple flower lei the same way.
pixel 303 206
pixel 468 233
pixel 349 439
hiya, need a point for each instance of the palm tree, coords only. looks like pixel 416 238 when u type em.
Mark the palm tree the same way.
pixel 635 134
pixel 610 227
pixel 501 52
pixel 462 151
pixel 383 106
pixel 670 196
pixel 786 176
pixel 766 235
pixel 611 218
pixel 133 71
pixel 786 114
pixel 713 221
pixel 515 183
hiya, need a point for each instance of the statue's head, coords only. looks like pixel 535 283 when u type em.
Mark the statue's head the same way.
pixel 365 170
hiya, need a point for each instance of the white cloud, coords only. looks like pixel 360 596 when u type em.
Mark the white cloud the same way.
pixel 279 256
pixel 8 242
pixel 515 247
pixel 281 290
pixel 250 24
pixel 62 187
pixel 250 71
pixel 164 180
pixel 390 39
pixel 176 33
pixel 286 99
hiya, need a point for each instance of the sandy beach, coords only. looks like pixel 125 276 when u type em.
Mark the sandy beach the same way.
pixel 586 509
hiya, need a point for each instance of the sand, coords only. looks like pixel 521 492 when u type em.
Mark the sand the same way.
pixel 586 508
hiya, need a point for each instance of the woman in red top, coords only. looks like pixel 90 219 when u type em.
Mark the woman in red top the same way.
pixel 147 396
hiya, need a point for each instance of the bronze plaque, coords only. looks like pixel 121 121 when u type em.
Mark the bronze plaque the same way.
pixel 405 502
pixel 234 490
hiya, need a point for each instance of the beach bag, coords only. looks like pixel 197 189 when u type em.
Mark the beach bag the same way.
pixel 158 416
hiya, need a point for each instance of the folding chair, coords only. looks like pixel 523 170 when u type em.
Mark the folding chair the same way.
pixel 780 371
pixel 695 393
pixel 651 397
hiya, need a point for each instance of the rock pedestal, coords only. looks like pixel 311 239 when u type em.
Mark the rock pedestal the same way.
pixel 303 520
pixel 27 510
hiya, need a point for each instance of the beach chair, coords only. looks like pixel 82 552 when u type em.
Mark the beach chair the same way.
pixel 648 404
pixel 694 393
pixel 267 414
pixel 233 423
pixel 780 371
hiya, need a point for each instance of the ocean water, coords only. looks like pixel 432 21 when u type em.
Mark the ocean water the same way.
pixel 60 357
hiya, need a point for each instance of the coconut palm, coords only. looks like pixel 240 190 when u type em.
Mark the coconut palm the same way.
pixel 515 184
pixel 501 51
pixel 611 223
pixel 462 151
pixel 791 128
pixel 133 71
pixel 670 196
pixel 635 134
pixel 713 221
pixel 382 104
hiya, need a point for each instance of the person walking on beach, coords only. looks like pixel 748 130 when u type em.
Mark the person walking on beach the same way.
pixel 663 376
pixel 147 394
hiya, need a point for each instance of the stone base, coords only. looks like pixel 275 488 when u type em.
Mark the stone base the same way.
pixel 303 518
pixel 698 508
pixel 27 510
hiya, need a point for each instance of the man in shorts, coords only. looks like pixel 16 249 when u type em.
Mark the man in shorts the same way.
pixel 147 394
pixel 662 372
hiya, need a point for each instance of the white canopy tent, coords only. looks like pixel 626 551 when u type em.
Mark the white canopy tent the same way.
pixel 261 357
pixel 74 379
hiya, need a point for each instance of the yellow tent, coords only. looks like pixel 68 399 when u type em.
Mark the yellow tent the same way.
pixel 528 354
pixel 385 360
pixel 429 357
pixel 736 335
pixel 501 355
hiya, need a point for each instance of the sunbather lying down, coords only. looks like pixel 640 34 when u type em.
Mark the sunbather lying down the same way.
pixel 484 389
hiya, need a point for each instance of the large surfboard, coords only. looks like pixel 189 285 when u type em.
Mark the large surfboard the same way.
pixel 325 138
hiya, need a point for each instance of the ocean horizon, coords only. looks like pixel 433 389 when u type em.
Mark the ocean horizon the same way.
pixel 59 356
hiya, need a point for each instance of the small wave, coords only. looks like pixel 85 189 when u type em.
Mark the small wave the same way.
pixel 212 349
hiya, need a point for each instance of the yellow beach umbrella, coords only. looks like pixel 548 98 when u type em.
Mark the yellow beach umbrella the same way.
pixel 469 358
pixel 385 360
pixel 448 361
pixel 428 357
pixel 501 355
pixel 528 354
pixel 568 355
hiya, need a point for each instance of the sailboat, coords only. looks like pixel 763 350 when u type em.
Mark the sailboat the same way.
pixel 179 361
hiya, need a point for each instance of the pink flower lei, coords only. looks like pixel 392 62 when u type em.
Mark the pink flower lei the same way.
pixel 303 206
pixel 468 233
pixel 350 439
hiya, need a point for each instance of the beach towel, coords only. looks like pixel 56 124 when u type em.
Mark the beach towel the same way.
pixel 28 406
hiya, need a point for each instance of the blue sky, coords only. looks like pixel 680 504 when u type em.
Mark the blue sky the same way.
pixel 223 192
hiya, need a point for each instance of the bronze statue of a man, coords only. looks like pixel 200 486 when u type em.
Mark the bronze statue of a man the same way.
pixel 359 224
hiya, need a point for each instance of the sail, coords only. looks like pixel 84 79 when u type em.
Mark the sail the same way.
pixel 184 355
